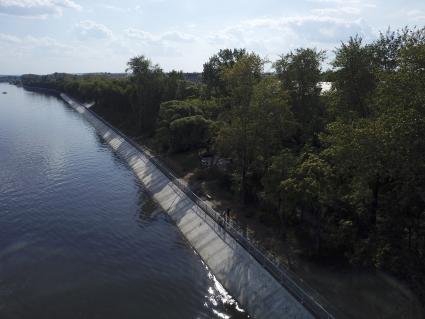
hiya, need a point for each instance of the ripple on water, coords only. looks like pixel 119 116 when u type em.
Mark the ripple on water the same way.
pixel 79 236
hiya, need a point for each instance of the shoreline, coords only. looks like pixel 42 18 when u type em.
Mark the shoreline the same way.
pixel 239 272
pixel 356 286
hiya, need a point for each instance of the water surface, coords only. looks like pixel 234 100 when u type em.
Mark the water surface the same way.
pixel 79 237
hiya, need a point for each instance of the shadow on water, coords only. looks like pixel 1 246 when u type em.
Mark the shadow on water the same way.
pixel 218 297
pixel 79 236
pixel 362 292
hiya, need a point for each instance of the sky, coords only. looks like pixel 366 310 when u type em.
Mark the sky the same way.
pixel 77 36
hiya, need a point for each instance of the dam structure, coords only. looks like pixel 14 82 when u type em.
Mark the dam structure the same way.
pixel 265 292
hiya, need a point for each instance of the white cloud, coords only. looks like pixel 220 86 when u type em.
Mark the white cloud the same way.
pixel 169 36
pixel 165 44
pixel 30 42
pixel 68 4
pixel 139 34
pixel 268 37
pixel 36 8
pixel 337 1
pixel 416 15
pixel 92 30
pixel 7 38
pixel 17 55
pixel 114 8
pixel 415 12
pixel 27 49
pixel 154 45
pixel 273 36
pixel 340 10
pixel 176 36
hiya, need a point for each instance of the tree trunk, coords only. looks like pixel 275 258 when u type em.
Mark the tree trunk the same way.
pixel 318 230
pixel 282 219
pixel 374 204
pixel 243 182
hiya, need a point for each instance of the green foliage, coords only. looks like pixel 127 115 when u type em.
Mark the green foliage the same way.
pixel 189 132
pixel 345 169
pixel 300 73
pixel 379 164
pixel 274 196
pixel 275 124
pixel 354 79
pixel 147 93
pixel 259 122
pixel 212 70
pixel 236 138
pixel 171 111
pixel 387 49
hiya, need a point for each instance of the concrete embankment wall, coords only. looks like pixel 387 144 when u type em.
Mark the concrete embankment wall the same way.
pixel 245 279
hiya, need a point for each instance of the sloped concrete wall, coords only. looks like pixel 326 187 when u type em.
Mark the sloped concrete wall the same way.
pixel 245 279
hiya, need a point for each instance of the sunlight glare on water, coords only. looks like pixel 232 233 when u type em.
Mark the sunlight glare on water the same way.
pixel 80 238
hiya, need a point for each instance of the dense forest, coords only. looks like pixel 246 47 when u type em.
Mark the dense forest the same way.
pixel 345 167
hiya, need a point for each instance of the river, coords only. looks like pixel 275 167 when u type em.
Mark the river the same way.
pixel 79 236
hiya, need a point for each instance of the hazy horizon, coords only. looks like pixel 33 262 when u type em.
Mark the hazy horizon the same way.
pixel 80 36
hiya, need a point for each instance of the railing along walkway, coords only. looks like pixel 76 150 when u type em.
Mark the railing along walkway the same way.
pixel 298 288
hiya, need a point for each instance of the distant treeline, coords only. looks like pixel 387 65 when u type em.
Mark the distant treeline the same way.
pixel 132 101
pixel 346 167
pixel 9 78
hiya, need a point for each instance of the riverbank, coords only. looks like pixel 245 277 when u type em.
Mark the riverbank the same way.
pixel 80 237
pixel 354 292
pixel 234 261
pixel 357 293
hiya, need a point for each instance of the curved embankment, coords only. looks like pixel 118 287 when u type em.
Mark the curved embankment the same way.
pixel 236 269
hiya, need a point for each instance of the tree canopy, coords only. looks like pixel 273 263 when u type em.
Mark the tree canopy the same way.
pixel 344 167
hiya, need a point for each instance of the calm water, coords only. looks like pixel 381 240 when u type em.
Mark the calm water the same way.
pixel 79 238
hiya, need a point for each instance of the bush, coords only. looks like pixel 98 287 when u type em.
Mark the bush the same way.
pixel 189 133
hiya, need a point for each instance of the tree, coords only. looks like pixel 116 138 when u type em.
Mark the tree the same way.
pixel 148 82
pixel 236 138
pixel 174 86
pixel 280 168
pixel 300 73
pixel 274 122
pixel 405 88
pixel 172 111
pixel 311 188
pixel 388 49
pixel 189 132
pixel 354 79
pixel 212 70
pixel 345 170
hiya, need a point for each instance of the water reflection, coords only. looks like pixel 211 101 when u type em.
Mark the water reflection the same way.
pixel 79 236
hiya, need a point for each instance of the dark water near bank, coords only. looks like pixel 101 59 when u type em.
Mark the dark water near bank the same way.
pixel 79 238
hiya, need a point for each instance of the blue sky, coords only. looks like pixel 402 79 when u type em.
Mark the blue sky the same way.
pixel 45 36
